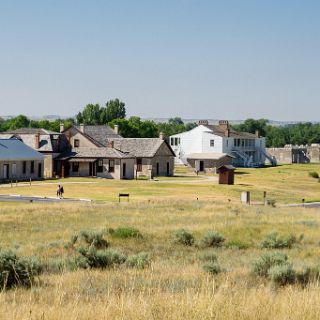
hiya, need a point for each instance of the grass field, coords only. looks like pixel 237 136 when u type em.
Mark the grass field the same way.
pixel 174 285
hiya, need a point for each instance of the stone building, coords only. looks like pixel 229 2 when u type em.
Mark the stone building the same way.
pixel 19 162
pixel 49 143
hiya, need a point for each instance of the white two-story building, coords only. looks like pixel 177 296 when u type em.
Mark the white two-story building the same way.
pixel 215 142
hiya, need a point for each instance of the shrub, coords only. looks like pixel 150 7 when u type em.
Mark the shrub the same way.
pixel 262 265
pixel 237 244
pixel 314 174
pixel 16 271
pixel 183 237
pixel 271 202
pixel 274 241
pixel 308 274
pixel 282 274
pixel 212 239
pixel 92 238
pixel 140 260
pixel 60 265
pixel 212 268
pixel 93 258
pixel 209 257
pixel 124 233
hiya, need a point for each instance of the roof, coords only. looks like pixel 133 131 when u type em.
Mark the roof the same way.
pixel 205 156
pixel 13 149
pixel 98 133
pixel 31 131
pixel 140 147
pixel 227 166
pixel 96 153
pixel 48 138
pixel 217 130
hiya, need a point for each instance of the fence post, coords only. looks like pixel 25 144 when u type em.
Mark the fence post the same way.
pixel 30 182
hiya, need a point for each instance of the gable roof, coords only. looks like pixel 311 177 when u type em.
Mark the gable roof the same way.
pixel 98 133
pixel 13 149
pixel 48 138
pixel 95 153
pixel 217 130
pixel 140 147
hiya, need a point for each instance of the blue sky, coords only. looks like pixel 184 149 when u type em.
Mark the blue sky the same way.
pixel 228 59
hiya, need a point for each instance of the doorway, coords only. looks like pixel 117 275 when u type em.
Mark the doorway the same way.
pixel 201 166
pixel 124 170
pixel 158 169
pixel 5 171
pixel 39 170
pixel 168 169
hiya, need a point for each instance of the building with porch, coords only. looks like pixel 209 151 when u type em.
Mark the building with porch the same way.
pixel 19 162
pixel 246 149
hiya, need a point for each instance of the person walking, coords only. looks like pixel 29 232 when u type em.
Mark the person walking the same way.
pixel 61 191
pixel 58 191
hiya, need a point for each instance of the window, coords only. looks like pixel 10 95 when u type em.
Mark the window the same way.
pixel 76 143
pixel 111 165
pixel 24 167
pixel 75 166
pixel 176 141
pixel 139 164
pixel 172 141
pixel 211 143
pixel 32 167
pixel 100 166
pixel 14 169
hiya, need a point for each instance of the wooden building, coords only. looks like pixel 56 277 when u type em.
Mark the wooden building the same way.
pixel 226 174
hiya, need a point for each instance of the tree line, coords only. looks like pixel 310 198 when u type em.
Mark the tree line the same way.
pixel 114 113
pixel 278 136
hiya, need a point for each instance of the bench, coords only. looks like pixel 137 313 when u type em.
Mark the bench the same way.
pixel 123 195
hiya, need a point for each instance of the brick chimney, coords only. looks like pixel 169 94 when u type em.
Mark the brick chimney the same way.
pixel 61 127
pixel 203 122
pixel 37 140
pixel 161 135
pixel 82 127
pixel 227 132
pixel 116 129
pixel 224 125
pixel 258 133
pixel 110 144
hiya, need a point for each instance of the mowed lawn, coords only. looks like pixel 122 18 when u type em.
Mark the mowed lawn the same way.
pixel 284 184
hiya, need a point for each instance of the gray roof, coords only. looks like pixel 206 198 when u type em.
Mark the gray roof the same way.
pixel 207 156
pixel 96 153
pixel 217 130
pixel 13 149
pixel 140 147
pixel 48 139
pixel 99 133
pixel 31 131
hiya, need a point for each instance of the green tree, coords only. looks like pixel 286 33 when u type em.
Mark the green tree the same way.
pixel 91 115
pixel 115 109
pixel 20 121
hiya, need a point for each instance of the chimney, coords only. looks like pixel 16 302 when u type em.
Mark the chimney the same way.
pixel 203 122
pixel 227 132
pixel 82 127
pixel 110 144
pixel 37 141
pixel 161 135
pixel 61 127
pixel 224 125
pixel 116 129
pixel 258 133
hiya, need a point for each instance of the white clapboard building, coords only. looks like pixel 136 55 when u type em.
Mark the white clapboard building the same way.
pixel 242 148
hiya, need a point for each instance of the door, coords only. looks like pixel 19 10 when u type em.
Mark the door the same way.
pixel 201 166
pixel 90 169
pixel 158 168
pixel 168 169
pixel 124 170
pixel 39 170
pixel 5 171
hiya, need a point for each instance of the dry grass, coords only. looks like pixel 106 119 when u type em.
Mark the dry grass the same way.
pixel 174 286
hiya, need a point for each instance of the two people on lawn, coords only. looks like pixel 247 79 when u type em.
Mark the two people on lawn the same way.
pixel 60 191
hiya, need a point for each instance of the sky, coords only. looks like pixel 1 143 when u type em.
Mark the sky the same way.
pixel 198 59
